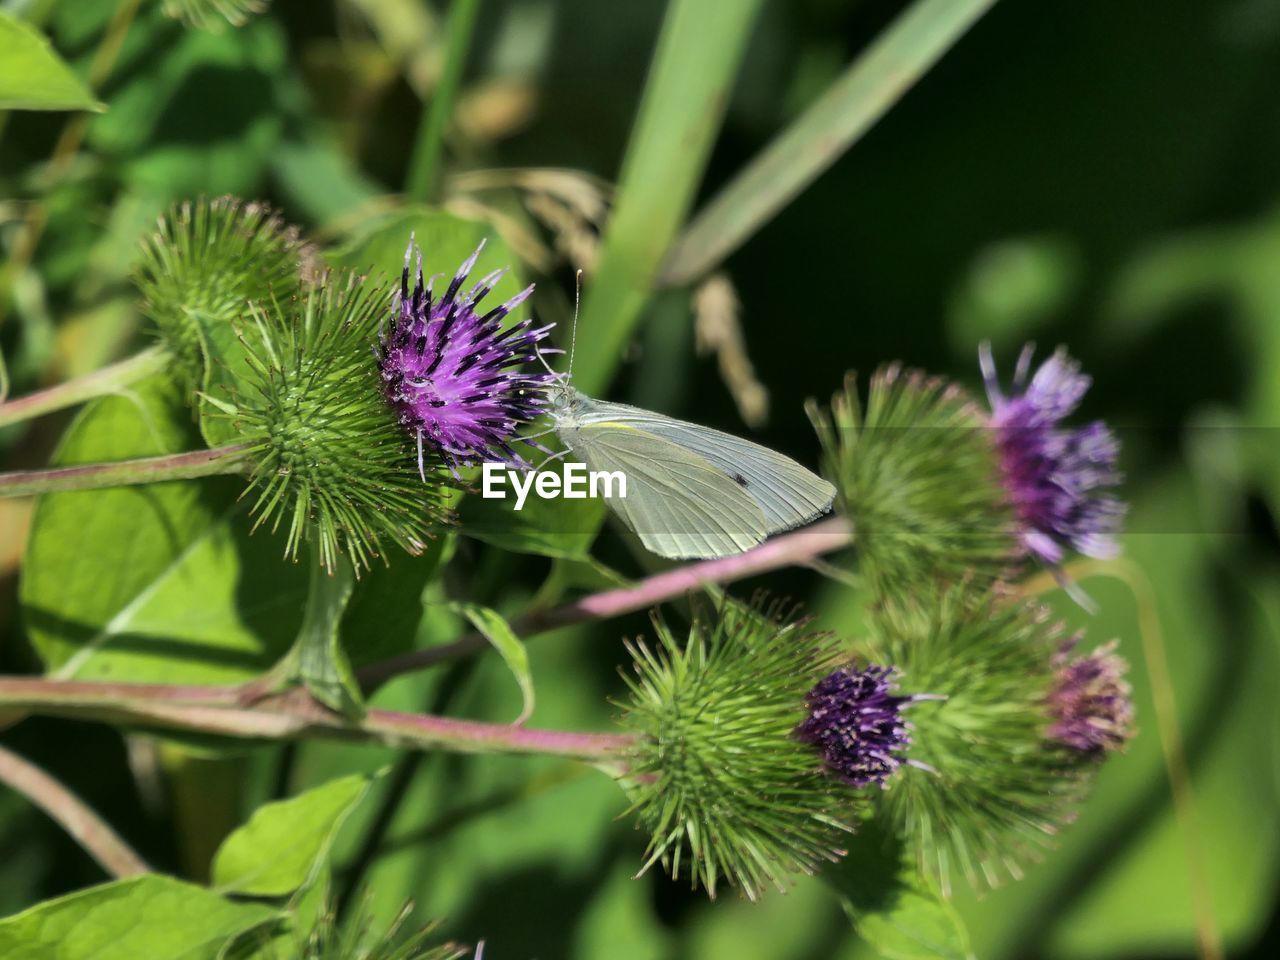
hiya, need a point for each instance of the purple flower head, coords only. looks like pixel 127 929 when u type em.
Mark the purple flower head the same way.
pixel 452 373
pixel 1054 475
pixel 856 721
pixel 1091 705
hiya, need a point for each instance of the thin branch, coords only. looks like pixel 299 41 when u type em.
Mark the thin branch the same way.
pixel 795 548
pixel 71 813
pixel 107 380
pixel 93 476
pixel 294 715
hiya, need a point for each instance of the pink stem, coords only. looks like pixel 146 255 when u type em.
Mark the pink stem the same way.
pixel 79 820
pixel 293 715
pixel 792 549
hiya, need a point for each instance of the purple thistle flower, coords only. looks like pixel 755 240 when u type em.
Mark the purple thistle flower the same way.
pixel 1091 705
pixel 856 721
pixel 1053 475
pixel 450 371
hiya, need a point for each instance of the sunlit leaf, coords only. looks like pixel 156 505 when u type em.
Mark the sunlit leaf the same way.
pixel 285 843
pixel 168 585
pixel 33 76
pixel 498 632
pixel 146 916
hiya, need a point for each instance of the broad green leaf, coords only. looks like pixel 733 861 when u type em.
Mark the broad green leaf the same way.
pixel 445 240
pixel 499 633
pixel 548 528
pixel 149 916
pixel 33 76
pixel 165 582
pixel 899 914
pixel 317 177
pixel 286 843
pixel 301 916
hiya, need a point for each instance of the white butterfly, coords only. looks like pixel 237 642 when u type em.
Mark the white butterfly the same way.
pixel 691 492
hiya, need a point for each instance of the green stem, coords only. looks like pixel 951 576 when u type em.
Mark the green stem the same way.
pixel 862 95
pixel 107 380
pixel 94 476
pixel 424 168
pixel 296 715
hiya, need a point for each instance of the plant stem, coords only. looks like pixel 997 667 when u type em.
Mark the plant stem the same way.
pixel 87 828
pixel 795 548
pixel 848 109
pixel 123 473
pixel 295 715
pixel 424 168
pixel 107 380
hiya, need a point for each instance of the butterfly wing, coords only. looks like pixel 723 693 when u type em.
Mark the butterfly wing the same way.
pixel 787 494
pixel 680 506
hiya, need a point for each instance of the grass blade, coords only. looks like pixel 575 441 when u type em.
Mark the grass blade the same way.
pixel 697 58
pixel 863 94
pixel 424 168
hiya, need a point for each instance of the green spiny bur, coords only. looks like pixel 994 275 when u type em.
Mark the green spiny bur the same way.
pixel 329 454
pixel 916 475
pixel 720 783
pixel 993 789
pixel 200 269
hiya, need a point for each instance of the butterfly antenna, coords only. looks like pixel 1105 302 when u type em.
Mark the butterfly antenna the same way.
pixel 577 304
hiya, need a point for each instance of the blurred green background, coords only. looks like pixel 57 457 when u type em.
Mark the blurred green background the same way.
pixel 1101 175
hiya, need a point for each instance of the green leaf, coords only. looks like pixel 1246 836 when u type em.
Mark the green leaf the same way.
pixel 895 910
pixel 446 241
pixel 150 916
pixel 386 606
pixel 547 528
pixel 33 76
pixel 684 100
pixel 168 584
pixel 286 843
pixel 499 633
